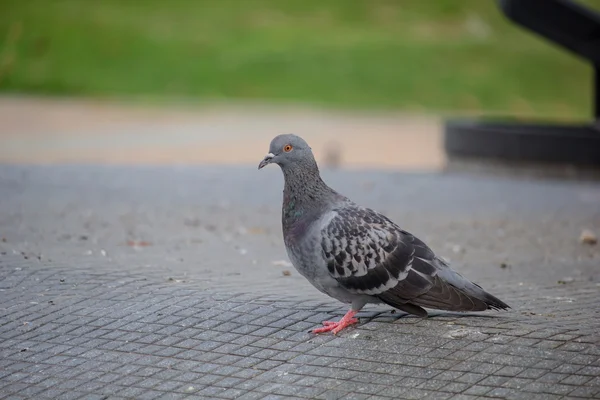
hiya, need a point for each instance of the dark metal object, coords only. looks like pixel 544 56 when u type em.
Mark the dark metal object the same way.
pixel 524 142
pixel 597 92
pixel 574 27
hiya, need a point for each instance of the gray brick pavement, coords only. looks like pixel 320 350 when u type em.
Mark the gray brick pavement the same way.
pixel 85 326
pixel 79 334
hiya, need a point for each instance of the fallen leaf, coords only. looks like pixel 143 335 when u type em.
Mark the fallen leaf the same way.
pixel 138 243
pixel 588 237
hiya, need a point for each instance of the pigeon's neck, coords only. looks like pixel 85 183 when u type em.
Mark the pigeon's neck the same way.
pixel 305 196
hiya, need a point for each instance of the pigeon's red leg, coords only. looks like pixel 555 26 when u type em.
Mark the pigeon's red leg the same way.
pixel 336 327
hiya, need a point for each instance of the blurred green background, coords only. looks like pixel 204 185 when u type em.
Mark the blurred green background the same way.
pixel 444 56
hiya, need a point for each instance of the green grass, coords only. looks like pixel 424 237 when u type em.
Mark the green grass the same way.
pixel 415 55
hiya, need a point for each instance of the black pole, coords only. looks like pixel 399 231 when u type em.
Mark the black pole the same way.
pixel 596 93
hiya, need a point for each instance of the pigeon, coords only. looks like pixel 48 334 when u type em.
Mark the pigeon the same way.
pixel 359 256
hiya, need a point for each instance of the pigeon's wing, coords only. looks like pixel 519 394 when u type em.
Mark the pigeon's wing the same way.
pixel 369 254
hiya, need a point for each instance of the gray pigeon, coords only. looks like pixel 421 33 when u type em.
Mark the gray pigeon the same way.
pixel 357 255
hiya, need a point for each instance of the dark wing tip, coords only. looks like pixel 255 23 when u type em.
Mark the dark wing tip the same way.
pixel 495 303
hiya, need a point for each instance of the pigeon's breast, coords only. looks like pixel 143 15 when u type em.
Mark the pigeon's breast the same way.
pixel 306 254
pixel 303 247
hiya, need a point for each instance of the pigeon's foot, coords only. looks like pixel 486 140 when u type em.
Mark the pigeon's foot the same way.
pixel 336 327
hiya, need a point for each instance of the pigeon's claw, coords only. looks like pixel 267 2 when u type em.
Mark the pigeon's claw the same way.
pixel 336 327
pixel 327 323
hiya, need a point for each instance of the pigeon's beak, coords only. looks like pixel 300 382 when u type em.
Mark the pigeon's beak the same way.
pixel 266 161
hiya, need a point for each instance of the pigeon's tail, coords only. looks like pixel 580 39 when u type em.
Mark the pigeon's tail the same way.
pixel 444 295
pixel 450 291
pixel 493 302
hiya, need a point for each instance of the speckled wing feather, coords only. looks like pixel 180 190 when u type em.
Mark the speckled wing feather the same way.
pixel 369 254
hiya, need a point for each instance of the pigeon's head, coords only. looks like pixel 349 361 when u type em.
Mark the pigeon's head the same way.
pixel 288 150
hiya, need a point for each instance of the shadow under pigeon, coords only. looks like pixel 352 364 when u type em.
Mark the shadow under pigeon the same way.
pixel 394 315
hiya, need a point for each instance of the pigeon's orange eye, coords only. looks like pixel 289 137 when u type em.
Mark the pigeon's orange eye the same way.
pixel 287 148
